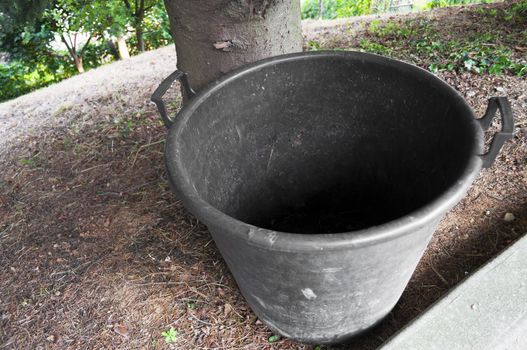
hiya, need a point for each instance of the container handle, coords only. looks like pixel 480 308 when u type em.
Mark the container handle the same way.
pixel 507 127
pixel 157 96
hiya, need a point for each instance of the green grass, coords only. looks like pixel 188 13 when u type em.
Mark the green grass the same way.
pixel 369 46
pixel 32 162
pixel 488 48
pixel 476 50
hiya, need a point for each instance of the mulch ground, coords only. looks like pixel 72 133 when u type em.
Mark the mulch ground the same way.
pixel 96 252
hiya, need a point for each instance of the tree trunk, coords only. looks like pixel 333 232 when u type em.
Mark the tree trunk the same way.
pixel 123 48
pixel 78 63
pixel 77 59
pixel 215 36
pixel 113 49
pixel 320 13
pixel 139 35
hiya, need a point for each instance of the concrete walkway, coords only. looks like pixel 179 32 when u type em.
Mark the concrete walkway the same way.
pixel 486 311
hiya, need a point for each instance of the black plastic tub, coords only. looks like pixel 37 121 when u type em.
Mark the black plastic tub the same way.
pixel 321 177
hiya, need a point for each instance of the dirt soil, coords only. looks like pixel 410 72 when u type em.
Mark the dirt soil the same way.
pixel 96 252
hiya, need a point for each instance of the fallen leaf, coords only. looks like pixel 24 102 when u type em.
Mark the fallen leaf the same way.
pixel 121 329
pixel 223 45
pixel 227 309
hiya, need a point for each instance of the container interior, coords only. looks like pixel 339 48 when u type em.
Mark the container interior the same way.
pixel 325 144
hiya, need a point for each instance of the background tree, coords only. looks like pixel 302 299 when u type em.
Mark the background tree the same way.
pixel 21 11
pixel 31 55
pixel 116 23
pixel 17 18
pixel 70 19
pixel 30 60
pixel 138 10
pixel 330 9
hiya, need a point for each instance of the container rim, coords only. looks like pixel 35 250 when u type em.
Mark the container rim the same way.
pixel 287 241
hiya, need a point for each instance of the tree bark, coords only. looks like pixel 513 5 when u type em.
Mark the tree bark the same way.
pixel 113 49
pixel 139 35
pixel 78 63
pixel 215 36
pixel 123 48
pixel 72 50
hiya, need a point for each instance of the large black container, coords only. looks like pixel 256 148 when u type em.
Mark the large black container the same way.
pixel 321 177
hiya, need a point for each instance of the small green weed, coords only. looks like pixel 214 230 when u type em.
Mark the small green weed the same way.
pixel 374 26
pixel 389 29
pixel 517 12
pixel 68 145
pixel 125 126
pixel 473 56
pixel 478 52
pixel 445 3
pixel 170 336
pixel 62 109
pixel 369 46
pixel 313 45
pixel 273 338
pixel 31 161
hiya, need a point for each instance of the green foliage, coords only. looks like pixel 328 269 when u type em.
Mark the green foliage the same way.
pixel 336 8
pixel 96 54
pixel 116 16
pixel 466 56
pixel 30 29
pixel 273 338
pixel 170 335
pixel 31 43
pixel 389 30
pixel 373 47
pixel 445 3
pixel 17 78
pixel 309 9
pixel 349 8
pixel 35 63
pixel 156 28
pixel 313 45
pixel 79 16
pixel 517 12
pixel 474 51
pixel 31 162
pixel 15 14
